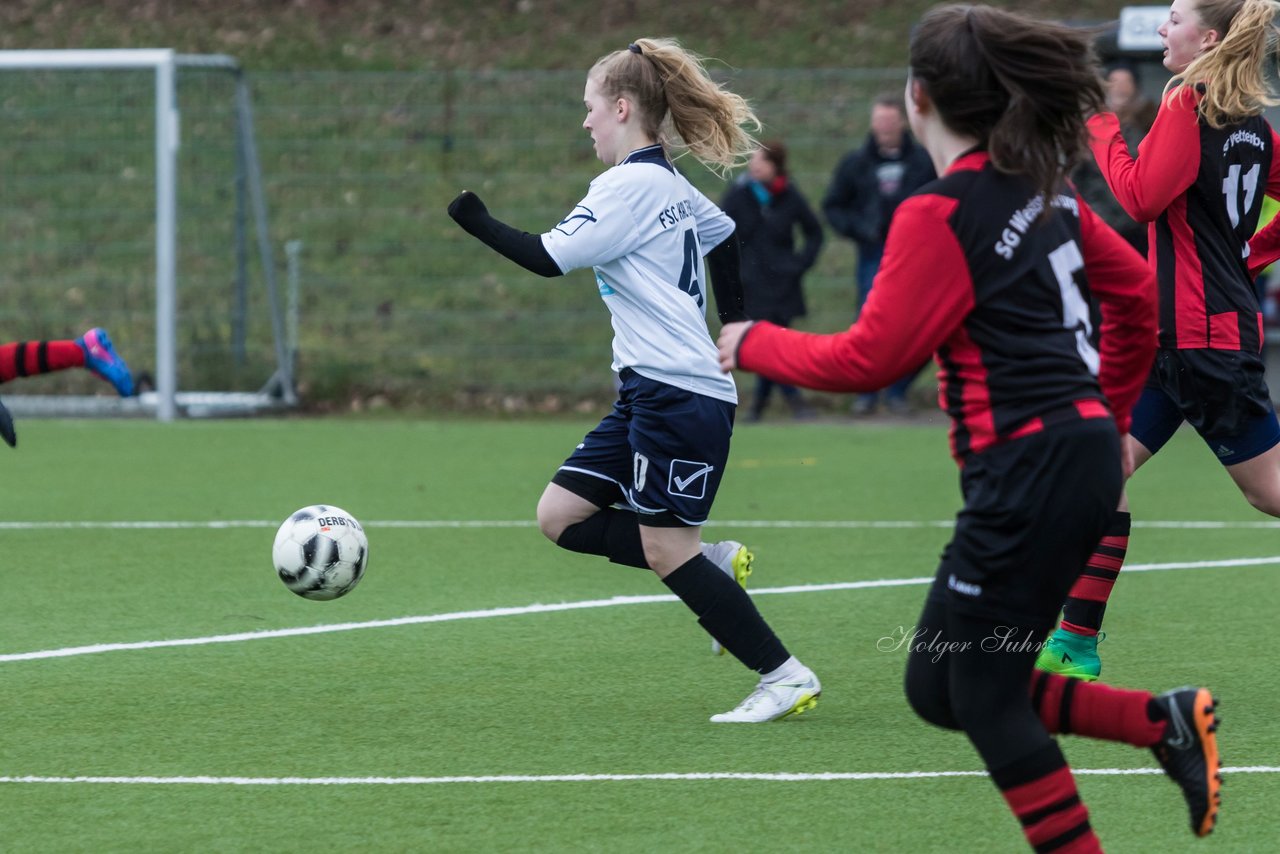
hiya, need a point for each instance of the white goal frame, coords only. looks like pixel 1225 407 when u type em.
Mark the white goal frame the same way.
pixel 165 62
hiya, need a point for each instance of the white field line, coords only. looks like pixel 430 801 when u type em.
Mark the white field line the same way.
pixel 539 608
pixel 771 777
pixel 447 524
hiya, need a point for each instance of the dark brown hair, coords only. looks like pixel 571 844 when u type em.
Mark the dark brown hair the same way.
pixel 775 151
pixel 1021 86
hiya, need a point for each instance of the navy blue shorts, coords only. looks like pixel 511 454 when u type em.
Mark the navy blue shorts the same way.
pixel 1221 393
pixel 662 451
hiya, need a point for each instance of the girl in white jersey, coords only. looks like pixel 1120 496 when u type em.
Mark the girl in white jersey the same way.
pixel 640 486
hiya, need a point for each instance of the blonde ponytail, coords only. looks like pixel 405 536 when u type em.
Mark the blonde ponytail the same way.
pixel 1232 72
pixel 670 84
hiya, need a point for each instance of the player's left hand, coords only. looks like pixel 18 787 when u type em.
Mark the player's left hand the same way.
pixel 466 208
pixel 729 341
pixel 6 427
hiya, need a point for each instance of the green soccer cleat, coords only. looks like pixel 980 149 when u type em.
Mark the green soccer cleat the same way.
pixel 1070 654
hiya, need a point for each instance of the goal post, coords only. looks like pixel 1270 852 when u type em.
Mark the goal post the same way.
pixel 165 65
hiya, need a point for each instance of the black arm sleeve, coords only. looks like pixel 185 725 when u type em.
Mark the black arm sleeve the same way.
pixel 725 264
pixel 519 246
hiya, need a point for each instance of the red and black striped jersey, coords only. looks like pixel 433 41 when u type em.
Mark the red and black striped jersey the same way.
pixel 1201 189
pixel 976 272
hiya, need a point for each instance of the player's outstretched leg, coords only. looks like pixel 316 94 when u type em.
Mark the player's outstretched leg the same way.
pixel 1188 752
pixel 101 358
pixel 735 560
pixel 726 612
pixel 1178 726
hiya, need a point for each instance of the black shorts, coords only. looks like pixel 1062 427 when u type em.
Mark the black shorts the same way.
pixel 1221 393
pixel 1035 508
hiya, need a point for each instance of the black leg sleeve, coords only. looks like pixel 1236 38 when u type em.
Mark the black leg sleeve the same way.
pixel 727 613
pixel 611 532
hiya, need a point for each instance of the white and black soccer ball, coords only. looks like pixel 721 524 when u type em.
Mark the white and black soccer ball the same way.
pixel 320 552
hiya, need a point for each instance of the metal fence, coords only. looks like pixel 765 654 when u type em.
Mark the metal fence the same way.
pixel 395 302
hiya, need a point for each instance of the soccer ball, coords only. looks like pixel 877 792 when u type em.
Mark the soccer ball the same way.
pixel 320 552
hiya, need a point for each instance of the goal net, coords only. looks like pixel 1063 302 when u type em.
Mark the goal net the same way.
pixel 132 200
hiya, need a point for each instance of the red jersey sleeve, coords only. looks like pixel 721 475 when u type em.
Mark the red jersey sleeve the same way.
pixel 1264 247
pixel 920 295
pixel 1125 287
pixel 1167 162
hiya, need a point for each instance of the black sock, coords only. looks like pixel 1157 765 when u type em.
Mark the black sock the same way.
pixel 727 613
pixel 610 532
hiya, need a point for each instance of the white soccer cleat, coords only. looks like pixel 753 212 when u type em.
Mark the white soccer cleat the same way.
pixel 734 560
pixel 773 700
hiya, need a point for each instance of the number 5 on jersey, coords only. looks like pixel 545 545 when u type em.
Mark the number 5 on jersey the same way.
pixel 1065 261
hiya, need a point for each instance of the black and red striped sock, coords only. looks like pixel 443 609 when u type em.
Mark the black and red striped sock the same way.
pixel 1042 793
pixel 1067 705
pixel 29 358
pixel 1087 601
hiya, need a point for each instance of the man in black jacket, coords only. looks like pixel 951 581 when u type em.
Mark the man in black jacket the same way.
pixel 867 187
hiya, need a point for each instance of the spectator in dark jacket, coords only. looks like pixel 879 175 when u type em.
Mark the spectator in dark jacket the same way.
pixel 867 187
pixel 769 211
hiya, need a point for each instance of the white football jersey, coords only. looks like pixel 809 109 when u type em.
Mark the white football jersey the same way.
pixel 643 227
